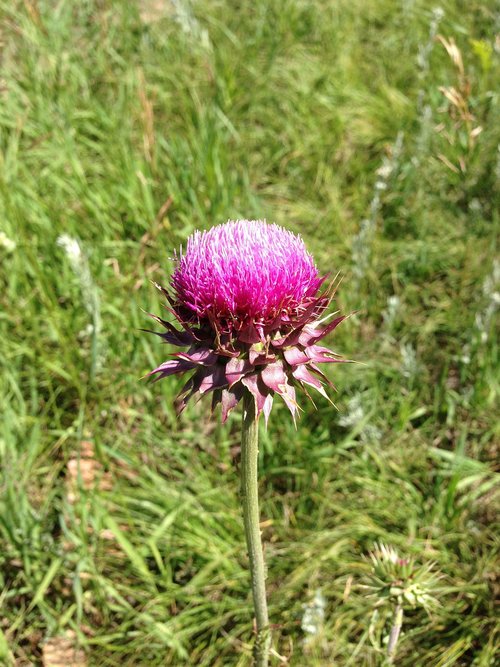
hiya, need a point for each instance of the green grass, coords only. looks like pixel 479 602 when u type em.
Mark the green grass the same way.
pixel 126 126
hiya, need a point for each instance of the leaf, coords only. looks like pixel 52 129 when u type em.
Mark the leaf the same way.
pixel 135 558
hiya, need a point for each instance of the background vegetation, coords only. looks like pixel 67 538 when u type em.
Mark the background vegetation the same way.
pixel 369 128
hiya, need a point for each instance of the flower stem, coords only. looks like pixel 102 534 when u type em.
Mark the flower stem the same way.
pixel 250 501
pixel 394 634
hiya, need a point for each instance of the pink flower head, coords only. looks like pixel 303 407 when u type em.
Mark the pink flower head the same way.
pixel 246 295
pixel 245 274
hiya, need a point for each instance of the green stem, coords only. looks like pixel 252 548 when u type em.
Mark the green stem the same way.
pixel 394 634
pixel 250 501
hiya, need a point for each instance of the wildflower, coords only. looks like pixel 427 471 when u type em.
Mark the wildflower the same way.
pixel 246 295
pixel 247 298
pixel 400 583
pixel 401 579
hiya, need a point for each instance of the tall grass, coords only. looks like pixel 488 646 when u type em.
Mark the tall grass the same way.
pixel 124 126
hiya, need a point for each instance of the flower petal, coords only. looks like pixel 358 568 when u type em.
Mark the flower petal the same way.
pixel 212 378
pixel 266 409
pixel 178 337
pixel 236 368
pixel 274 376
pixel 187 391
pixel 259 355
pixel 322 355
pixel 230 399
pixel 302 374
pixel 171 338
pixel 310 336
pixel 312 366
pixel 295 356
pixel 249 334
pixel 201 356
pixel 171 367
pixel 258 389
pixel 288 395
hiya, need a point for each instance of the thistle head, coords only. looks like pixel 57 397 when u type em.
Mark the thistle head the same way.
pixel 401 580
pixel 247 278
pixel 246 296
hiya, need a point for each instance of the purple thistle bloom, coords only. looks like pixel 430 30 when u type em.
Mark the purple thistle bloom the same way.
pixel 245 273
pixel 246 296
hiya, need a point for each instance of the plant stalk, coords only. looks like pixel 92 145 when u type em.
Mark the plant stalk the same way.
pixel 251 518
pixel 394 634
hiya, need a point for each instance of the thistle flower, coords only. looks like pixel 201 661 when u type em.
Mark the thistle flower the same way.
pixel 400 583
pixel 246 296
pixel 401 580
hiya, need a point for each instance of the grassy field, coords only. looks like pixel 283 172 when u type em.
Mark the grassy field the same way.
pixel 368 127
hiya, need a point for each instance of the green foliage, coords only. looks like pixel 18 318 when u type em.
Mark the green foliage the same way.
pixel 126 125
